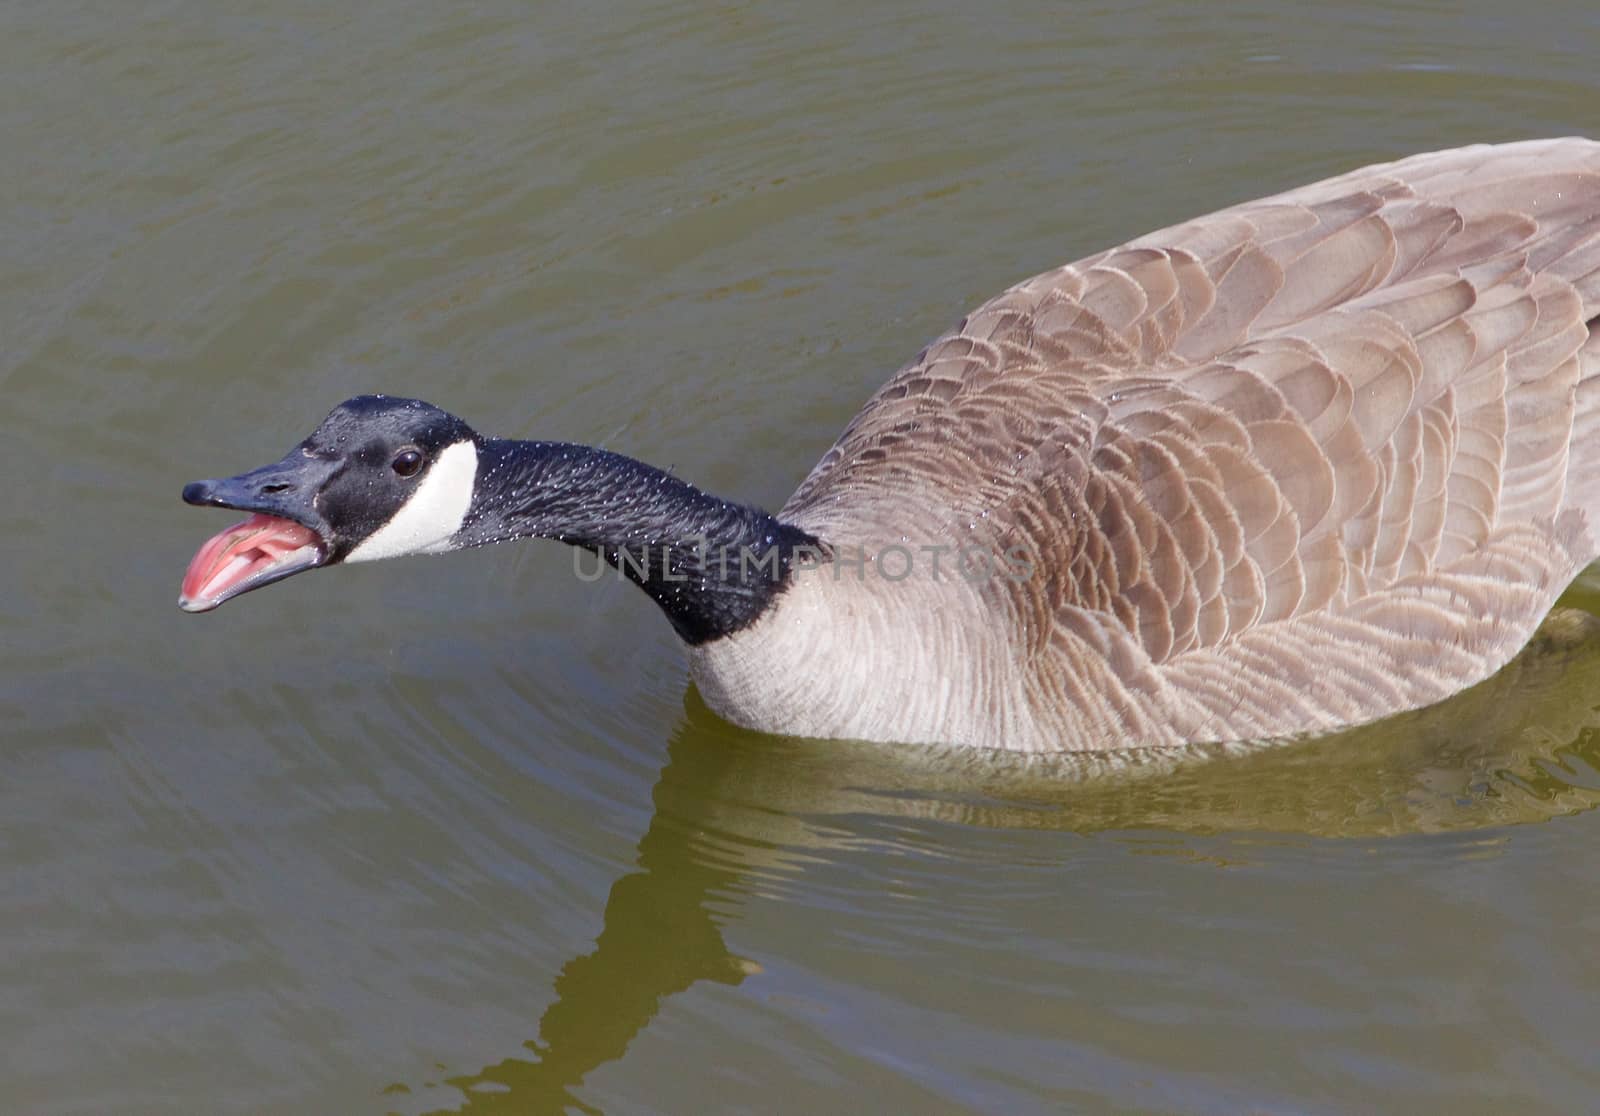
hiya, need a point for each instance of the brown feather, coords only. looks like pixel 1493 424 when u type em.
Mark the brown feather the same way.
pixel 1296 465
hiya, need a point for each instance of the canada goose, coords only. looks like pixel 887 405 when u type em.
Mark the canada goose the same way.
pixel 1296 465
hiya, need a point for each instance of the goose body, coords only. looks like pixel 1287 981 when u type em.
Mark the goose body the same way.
pixel 1296 465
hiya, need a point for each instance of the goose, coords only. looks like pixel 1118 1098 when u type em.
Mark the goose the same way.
pixel 1293 466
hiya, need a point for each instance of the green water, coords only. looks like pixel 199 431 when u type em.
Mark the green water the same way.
pixel 455 834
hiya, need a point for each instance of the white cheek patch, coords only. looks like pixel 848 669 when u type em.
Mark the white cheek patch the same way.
pixel 435 511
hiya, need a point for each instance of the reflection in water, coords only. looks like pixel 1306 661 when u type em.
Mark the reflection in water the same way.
pixel 736 813
pixel 659 938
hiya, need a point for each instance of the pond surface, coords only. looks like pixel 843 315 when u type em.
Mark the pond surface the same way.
pixel 455 834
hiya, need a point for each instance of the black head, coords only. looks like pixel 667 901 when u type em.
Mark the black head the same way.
pixel 378 478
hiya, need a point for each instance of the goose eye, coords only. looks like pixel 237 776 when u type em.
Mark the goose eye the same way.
pixel 407 462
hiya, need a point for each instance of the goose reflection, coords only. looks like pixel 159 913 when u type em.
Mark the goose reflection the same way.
pixel 737 814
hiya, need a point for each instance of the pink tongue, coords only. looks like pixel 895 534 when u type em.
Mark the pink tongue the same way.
pixel 242 551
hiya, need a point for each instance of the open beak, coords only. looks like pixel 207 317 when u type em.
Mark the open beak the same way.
pixel 283 536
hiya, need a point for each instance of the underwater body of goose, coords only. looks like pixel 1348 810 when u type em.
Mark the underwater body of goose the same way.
pixel 1293 466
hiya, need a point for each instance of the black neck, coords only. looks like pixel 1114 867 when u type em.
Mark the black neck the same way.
pixel 713 566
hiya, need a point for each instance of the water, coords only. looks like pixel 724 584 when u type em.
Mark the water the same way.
pixel 454 834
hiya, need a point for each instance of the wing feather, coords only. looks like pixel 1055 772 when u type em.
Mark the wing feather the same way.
pixel 1259 445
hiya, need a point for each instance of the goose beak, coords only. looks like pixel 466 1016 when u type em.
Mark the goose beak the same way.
pixel 283 535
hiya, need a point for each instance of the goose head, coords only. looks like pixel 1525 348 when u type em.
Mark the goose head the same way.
pixel 378 478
